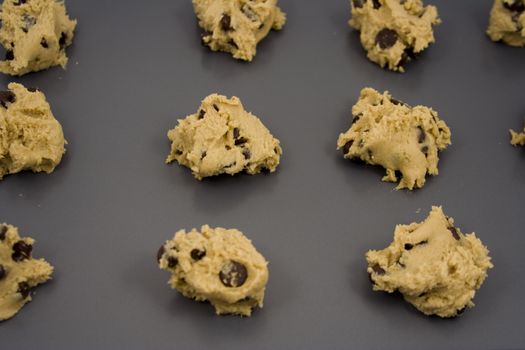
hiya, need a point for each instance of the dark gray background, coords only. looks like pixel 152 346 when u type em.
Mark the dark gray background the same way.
pixel 137 66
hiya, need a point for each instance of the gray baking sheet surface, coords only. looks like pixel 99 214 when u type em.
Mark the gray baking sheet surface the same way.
pixel 137 66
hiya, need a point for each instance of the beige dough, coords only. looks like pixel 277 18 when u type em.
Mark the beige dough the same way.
pixel 223 138
pixel 35 34
pixel 433 264
pixel 517 139
pixel 399 137
pixel 507 22
pixel 30 136
pixel 19 272
pixel 217 265
pixel 237 26
pixel 393 32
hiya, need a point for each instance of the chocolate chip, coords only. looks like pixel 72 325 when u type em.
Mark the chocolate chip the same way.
pixel 233 43
pixel 202 112
pixel 172 262
pixel 24 289
pixel 422 135
pixel 517 6
pixel 424 149
pixel 357 117
pixel 240 141
pixel 28 22
pixel 233 274
pixel 160 253
pixel 44 44
pixel 376 3
pixel 246 153
pixel 377 269
pixel 32 89
pixel 386 38
pixel 249 12
pixel 21 251
pixel 460 311
pixel 197 254
pixel 62 41
pixel 203 155
pixel 358 3
pixel 3 272
pixel 3 229
pixel 226 23
pixel 407 56
pixel 454 232
pixel 19 2
pixel 396 102
pixel 5 97
pixel 408 246
pixel 346 147
pixel 216 107
pixel 9 55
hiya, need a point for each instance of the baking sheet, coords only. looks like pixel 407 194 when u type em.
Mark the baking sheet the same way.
pixel 137 66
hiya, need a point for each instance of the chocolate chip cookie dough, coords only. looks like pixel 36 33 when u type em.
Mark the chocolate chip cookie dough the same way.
pixel 216 265
pixel 394 32
pixel 399 137
pixel 433 264
pixel 223 138
pixel 19 272
pixel 30 136
pixel 517 139
pixel 507 22
pixel 35 34
pixel 237 26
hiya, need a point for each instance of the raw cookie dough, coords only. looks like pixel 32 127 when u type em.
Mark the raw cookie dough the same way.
pixel 35 34
pixel 399 137
pixel 223 138
pixel 507 22
pixel 517 139
pixel 217 265
pixel 30 136
pixel 237 26
pixel 19 272
pixel 393 32
pixel 433 264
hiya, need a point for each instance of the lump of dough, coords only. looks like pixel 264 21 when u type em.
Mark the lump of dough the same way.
pixel 399 137
pixel 30 136
pixel 394 32
pixel 223 138
pixel 237 26
pixel 507 22
pixel 35 34
pixel 433 264
pixel 20 273
pixel 216 265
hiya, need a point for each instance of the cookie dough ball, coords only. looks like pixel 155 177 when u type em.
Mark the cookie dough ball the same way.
pixel 30 136
pixel 399 137
pixel 393 32
pixel 35 34
pixel 223 138
pixel 517 139
pixel 433 264
pixel 507 22
pixel 19 271
pixel 217 265
pixel 237 26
